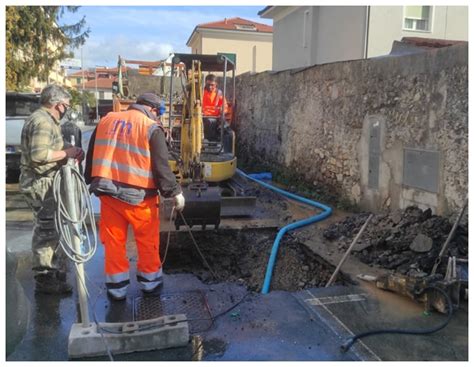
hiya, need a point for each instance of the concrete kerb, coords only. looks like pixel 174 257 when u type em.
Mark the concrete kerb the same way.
pixel 118 338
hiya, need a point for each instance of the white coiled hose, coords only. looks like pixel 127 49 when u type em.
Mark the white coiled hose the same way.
pixel 66 225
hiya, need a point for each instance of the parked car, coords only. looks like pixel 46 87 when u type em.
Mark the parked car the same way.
pixel 18 107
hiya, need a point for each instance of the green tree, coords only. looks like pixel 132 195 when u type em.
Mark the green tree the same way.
pixel 35 41
pixel 81 98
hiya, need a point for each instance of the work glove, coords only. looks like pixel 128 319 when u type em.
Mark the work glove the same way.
pixel 179 202
pixel 74 152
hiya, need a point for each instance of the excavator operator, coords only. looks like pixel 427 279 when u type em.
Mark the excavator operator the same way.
pixel 212 104
pixel 212 99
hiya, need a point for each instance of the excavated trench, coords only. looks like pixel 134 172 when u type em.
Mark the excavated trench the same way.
pixel 242 255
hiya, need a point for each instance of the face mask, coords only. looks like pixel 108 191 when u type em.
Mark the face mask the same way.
pixel 159 111
pixel 62 114
pixel 155 113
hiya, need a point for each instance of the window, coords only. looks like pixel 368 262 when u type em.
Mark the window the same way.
pixel 417 18
pixel 101 94
pixel 21 104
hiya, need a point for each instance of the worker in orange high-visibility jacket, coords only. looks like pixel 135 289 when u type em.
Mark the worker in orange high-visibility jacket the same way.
pixel 126 166
pixel 212 98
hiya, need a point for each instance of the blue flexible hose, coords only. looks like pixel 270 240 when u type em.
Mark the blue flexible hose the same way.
pixel 301 223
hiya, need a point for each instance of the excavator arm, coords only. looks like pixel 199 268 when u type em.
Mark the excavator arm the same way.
pixel 192 126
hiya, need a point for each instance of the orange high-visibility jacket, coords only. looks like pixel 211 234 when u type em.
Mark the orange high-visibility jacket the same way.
pixel 212 103
pixel 122 149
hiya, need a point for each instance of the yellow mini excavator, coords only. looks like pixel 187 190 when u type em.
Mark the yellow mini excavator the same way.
pixel 202 148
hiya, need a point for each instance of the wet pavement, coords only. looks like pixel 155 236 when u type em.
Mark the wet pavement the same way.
pixel 306 325
pixel 266 321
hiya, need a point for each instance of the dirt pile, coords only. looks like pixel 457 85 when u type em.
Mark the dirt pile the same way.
pixel 406 241
pixel 242 256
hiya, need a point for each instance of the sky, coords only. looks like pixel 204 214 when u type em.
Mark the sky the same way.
pixel 146 32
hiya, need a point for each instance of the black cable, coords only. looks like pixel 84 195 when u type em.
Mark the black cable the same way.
pixel 197 247
pixel 168 237
pixel 345 347
pixel 212 319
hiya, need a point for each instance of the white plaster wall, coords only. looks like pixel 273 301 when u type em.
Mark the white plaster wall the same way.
pixel 339 34
pixel 386 26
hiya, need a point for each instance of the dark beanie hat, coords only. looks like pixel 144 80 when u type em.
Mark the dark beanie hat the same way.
pixel 149 99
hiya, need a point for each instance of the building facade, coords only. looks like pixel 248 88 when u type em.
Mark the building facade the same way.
pixel 311 35
pixel 248 43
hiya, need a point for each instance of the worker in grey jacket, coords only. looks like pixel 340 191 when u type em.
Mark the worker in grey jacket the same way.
pixel 127 167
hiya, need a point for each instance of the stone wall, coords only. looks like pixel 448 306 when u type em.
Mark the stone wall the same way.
pixel 388 131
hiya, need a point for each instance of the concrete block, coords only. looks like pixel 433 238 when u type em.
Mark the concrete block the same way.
pixel 160 333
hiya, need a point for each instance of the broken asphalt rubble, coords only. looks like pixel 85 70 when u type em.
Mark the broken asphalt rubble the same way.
pixel 405 241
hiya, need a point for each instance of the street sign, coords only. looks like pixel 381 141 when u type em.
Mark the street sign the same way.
pixel 71 63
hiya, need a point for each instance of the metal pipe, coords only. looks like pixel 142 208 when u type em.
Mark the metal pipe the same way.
pixel 70 203
pixel 96 97
pixel 223 105
pixel 450 236
pixel 170 122
pixel 333 276
pixel 233 88
pixel 83 104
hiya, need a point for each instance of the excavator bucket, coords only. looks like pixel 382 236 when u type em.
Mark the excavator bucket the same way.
pixel 203 207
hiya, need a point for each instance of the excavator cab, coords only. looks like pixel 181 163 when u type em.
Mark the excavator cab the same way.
pixel 214 140
pixel 202 147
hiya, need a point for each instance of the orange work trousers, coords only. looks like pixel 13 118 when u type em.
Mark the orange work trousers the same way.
pixel 115 217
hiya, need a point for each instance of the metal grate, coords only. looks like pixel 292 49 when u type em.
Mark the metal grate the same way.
pixel 193 304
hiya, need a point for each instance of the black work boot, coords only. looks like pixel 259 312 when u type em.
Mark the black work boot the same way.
pixel 154 291
pixel 61 275
pixel 52 283
pixel 113 297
